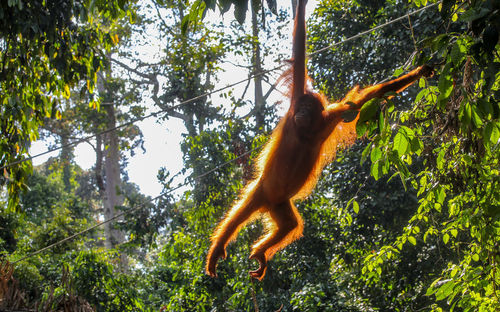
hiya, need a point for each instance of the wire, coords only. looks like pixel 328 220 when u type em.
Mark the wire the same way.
pixel 85 139
pixel 134 208
pixel 375 28
pixel 201 175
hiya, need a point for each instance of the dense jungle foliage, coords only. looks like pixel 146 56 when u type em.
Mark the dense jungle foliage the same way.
pixel 407 219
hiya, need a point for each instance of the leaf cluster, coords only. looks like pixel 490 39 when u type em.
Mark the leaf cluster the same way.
pixel 46 48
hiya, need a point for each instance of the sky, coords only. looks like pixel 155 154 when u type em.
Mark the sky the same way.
pixel 162 140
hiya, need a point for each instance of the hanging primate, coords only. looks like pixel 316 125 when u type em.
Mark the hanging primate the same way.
pixel 304 141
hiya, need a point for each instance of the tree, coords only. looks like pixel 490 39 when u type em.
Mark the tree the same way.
pixel 193 217
pixel 446 149
pixel 369 213
pixel 186 66
pixel 47 47
pixel 200 8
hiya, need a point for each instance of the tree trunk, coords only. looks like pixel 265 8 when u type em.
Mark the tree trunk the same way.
pixel 257 69
pixel 66 159
pixel 114 198
pixel 98 163
pixel 112 194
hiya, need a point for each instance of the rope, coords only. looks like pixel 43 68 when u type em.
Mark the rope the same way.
pixel 172 107
pixel 375 28
pixel 85 139
pixel 135 208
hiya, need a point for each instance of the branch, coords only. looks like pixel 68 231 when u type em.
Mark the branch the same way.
pixel 178 115
pixel 238 65
pixel 207 79
pixel 250 113
pixel 159 14
pixel 272 88
pixel 245 91
pixel 140 82
pixel 150 78
pixel 135 71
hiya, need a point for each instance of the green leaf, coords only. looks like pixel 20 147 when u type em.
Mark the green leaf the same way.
pixel 368 110
pixel 67 92
pixel 355 207
pixel 445 290
pixel 465 114
pixel 377 170
pixel 458 53
pixel 485 107
pixel 454 271
pixel 400 143
pixel 376 154
pixel 417 146
pixel 398 72
pixel 440 194
pixel 432 290
pixel 412 240
pixel 348 218
pixel 491 132
pixel 361 128
pixel 421 83
pixel 196 13
pixel 367 150
pixel 446 238
pixel 454 232
pixel 440 159
pixel 475 117
pixel 473 13
pixel 366 115
pixel 240 11
pixel 445 85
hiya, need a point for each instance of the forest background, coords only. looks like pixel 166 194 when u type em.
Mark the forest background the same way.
pixel 405 220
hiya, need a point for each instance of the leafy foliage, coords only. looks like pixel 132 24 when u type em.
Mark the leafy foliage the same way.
pixel 46 48
pixel 433 149
pixel 200 7
pixel 451 131
pixel 406 220
pixel 95 280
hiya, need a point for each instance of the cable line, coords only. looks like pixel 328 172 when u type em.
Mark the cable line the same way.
pixel 71 237
pixel 375 28
pixel 128 123
pixel 173 107
pixel 85 139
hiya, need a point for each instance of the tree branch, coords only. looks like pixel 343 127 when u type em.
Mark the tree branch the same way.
pixel 135 71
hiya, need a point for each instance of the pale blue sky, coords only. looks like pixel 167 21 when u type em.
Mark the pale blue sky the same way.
pixel 162 140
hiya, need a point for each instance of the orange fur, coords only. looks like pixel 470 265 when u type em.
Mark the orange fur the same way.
pixel 305 140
